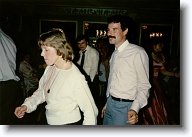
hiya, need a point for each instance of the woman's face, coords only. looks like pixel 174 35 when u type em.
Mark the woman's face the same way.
pixel 158 47
pixel 49 54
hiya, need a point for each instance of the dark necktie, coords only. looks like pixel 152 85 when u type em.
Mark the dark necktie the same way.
pixel 83 58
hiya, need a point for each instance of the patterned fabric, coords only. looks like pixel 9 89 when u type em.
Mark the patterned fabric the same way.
pixel 157 112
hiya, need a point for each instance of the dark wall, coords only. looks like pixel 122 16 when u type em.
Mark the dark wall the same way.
pixel 22 20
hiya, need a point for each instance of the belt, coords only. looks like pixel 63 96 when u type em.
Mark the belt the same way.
pixel 121 100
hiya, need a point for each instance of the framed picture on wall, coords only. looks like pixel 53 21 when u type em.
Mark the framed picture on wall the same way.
pixel 68 26
pixel 94 30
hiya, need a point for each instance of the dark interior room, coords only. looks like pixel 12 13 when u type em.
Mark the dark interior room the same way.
pixel 25 20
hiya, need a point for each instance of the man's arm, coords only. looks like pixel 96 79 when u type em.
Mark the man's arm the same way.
pixel 141 63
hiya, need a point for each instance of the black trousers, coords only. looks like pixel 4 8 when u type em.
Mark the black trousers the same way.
pixel 8 101
pixel 94 87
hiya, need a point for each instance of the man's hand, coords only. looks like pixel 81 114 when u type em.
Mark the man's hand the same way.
pixel 103 111
pixel 132 117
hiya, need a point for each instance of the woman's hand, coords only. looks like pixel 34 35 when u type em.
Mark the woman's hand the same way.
pixel 20 111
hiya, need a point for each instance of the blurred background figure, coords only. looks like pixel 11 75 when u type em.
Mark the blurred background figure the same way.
pixel 171 85
pixel 158 110
pixel 103 71
pixel 29 75
pixel 88 61
pixel 8 79
pixel 105 50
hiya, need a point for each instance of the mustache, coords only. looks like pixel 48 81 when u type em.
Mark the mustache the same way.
pixel 111 36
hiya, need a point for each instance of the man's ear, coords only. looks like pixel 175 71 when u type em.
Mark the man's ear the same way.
pixel 125 31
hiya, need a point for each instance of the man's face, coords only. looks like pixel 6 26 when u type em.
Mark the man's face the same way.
pixel 27 58
pixel 82 44
pixel 116 35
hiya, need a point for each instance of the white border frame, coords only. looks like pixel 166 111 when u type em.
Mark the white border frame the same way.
pixel 184 131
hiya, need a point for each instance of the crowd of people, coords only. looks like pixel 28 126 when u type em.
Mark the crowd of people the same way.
pixel 114 82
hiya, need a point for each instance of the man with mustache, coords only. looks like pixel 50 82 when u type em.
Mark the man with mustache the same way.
pixel 128 83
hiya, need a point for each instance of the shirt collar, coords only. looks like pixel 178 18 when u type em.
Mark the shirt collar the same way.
pixel 87 48
pixel 120 48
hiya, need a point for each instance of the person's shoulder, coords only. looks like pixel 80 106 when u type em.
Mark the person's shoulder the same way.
pixel 76 72
pixel 22 63
pixel 91 48
pixel 135 48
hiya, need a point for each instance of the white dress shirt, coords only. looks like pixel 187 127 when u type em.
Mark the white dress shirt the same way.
pixel 7 58
pixel 129 75
pixel 91 61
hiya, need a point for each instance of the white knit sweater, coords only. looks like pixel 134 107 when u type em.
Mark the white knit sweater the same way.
pixel 69 91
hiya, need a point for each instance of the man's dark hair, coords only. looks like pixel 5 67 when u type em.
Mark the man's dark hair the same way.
pixel 125 22
pixel 81 37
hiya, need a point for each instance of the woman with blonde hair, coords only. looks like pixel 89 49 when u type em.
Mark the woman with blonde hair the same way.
pixel 62 85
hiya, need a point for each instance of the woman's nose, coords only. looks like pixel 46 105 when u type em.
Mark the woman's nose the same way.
pixel 42 54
